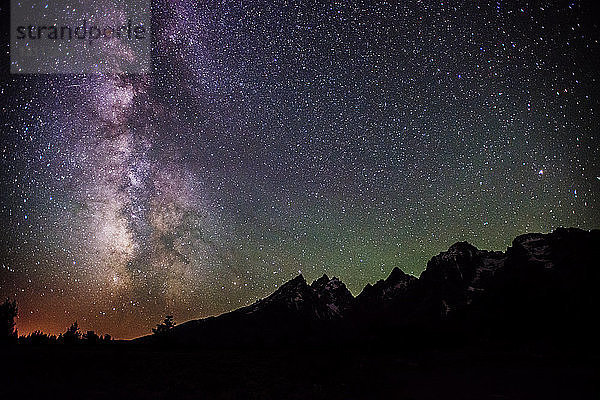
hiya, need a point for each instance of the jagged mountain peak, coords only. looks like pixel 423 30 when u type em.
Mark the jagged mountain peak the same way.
pixel 457 263
pixel 326 283
pixel 298 280
pixel 333 296
pixel 461 247
pixel 295 294
pixel 325 298
pixel 335 283
pixel 396 284
pixel 295 285
pixel 398 275
pixel 323 280
pixel 548 250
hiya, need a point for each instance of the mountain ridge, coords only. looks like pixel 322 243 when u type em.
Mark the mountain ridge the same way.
pixel 463 285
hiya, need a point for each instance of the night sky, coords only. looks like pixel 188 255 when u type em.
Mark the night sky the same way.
pixel 278 137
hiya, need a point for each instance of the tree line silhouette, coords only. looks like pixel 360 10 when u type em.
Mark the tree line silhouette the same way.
pixel 72 336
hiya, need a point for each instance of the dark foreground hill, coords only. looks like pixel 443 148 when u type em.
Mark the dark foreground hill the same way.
pixel 519 324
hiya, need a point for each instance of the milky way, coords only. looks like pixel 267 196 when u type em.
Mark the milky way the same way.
pixel 272 138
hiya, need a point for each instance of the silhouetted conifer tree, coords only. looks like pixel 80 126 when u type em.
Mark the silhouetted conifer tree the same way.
pixel 91 337
pixel 164 327
pixel 72 335
pixel 8 313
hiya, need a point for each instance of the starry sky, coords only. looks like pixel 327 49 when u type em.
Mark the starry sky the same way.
pixel 278 137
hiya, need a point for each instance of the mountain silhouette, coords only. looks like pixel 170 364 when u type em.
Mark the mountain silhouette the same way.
pixel 476 324
pixel 543 284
